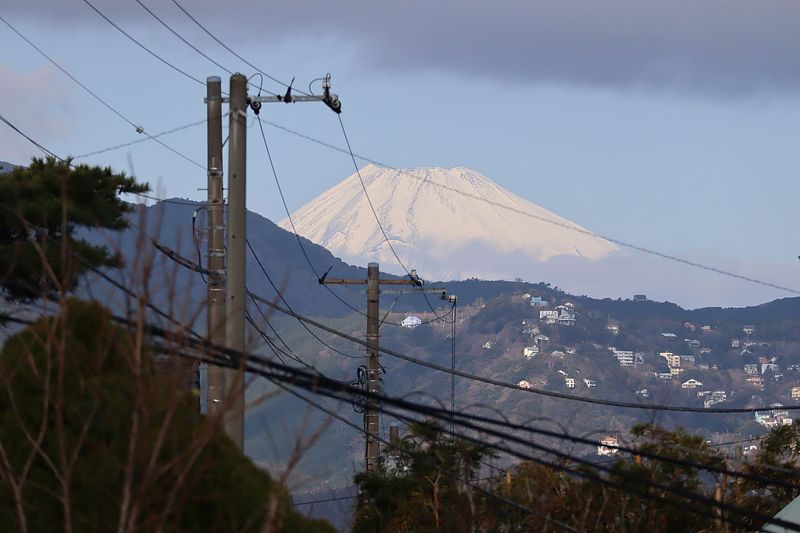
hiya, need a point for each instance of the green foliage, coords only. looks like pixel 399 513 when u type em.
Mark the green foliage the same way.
pixel 43 206
pixel 423 486
pixel 778 458
pixel 89 430
pixel 400 499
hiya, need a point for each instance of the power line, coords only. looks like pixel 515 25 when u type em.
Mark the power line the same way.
pixel 749 439
pixel 369 200
pixel 277 350
pixel 186 263
pixel 176 201
pixel 190 45
pixel 36 144
pixel 226 47
pixel 274 332
pixel 326 500
pixel 269 324
pixel 264 336
pixel 70 76
pixel 139 141
pixel 143 47
pixel 139 129
pixel 283 299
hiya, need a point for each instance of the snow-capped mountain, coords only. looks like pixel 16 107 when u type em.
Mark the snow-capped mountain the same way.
pixel 446 223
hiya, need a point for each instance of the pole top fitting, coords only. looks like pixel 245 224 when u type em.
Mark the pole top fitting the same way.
pixel 213 79
pixel 372 265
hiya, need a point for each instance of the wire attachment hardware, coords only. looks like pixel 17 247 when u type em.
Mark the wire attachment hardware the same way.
pixel 330 99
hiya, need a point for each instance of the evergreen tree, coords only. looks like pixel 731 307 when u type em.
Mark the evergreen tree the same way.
pixel 424 485
pixel 42 209
pixel 91 439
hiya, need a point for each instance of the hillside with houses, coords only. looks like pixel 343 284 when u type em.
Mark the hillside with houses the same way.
pixel 538 338
pixel 630 350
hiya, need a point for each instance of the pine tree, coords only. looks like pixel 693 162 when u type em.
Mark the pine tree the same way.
pixel 43 208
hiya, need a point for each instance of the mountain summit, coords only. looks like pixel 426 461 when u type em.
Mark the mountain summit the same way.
pixel 446 223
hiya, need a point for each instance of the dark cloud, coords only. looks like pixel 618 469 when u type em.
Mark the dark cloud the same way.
pixel 708 46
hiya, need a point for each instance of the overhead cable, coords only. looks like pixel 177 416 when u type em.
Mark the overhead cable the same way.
pixel 138 128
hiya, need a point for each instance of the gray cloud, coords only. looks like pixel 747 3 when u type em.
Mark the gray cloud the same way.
pixel 731 47
pixel 28 91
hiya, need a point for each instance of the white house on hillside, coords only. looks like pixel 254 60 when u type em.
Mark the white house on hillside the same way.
pixel 566 315
pixel 530 351
pixel 673 361
pixel 538 301
pixel 411 322
pixel 608 446
pixel 548 316
pixel 691 384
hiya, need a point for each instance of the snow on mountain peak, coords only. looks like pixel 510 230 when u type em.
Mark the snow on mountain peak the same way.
pixel 447 223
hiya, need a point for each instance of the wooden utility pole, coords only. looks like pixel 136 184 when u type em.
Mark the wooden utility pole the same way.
pixel 372 405
pixel 215 311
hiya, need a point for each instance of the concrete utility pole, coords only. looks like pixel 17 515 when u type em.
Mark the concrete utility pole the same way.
pixel 215 311
pixel 226 320
pixel 372 413
pixel 372 406
pixel 235 278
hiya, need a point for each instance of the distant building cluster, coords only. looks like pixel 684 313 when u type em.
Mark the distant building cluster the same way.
pixel 677 353
pixel 712 398
pixel 774 417
pixel 563 315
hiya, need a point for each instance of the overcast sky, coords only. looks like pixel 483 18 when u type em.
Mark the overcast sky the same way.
pixel 669 124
